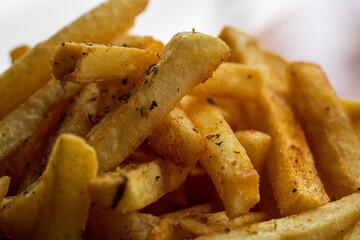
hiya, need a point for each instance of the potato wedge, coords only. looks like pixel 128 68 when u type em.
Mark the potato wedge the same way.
pixel 100 25
pixel 16 53
pixel 210 223
pixel 225 161
pixel 84 63
pixel 325 222
pixel 178 140
pixel 329 131
pixel 65 201
pixel 257 145
pixel 127 126
pixel 20 124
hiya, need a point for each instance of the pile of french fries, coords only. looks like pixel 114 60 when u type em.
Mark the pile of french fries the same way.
pixel 123 137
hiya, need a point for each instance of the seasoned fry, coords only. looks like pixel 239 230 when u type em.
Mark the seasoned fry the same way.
pixel 20 124
pixel 198 209
pixel 18 52
pixel 113 226
pixel 256 145
pixel 127 126
pixel 83 62
pixel 225 161
pixel 146 42
pixel 331 136
pixel 292 173
pixel 65 201
pixel 100 25
pixel 230 80
pixel 210 223
pixel 178 140
pixel 164 230
pixel 325 222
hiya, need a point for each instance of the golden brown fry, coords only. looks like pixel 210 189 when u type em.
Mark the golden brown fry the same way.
pixel 230 80
pixel 210 223
pixel 113 226
pixel 146 42
pixel 4 187
pixel 100 25
pixel 20 124
pixel 331 136
pixel 245 50
pixel 176 216
pixel 257 145
pixel 83 62
pixel 353 110
pixel 352 233
pixel 16 53
pixel 225 161
pixel 178 140
pixel 290 165
pixel 325 222
pixel 127 126
pixel 164 230
pixel 65 201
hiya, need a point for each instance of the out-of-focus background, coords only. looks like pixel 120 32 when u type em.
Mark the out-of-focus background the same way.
pixel 326 32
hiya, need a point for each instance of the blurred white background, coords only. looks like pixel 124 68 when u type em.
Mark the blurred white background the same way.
pixel 326 32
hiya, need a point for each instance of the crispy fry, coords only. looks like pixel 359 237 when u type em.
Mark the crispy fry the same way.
pixel 16 53
pixel 118 134
pixel 257 145
pixel 325 222
pixel 113 226
pixel 83 62
pixel 331 136
pixel 178 140
pixel 146 42
pixel 100 25
pixel 225 161
pixel 209 223
pixel 65 200
pixel 20 124
pixel 353 110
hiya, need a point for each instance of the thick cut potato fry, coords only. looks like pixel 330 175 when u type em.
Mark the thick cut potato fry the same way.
pixel 65 201
pixel 257 145
pixel 4 187
pixel 325 222
pixel 178 140
pixel 100 25
pixel 111 225
pixel 83 62
pixel 290 165
pixel 20 124
pixel 230 80
pixel 127 126
pixel 245 50
pixel 278 65
pixel 225 161
pixel 18 213
pixel 353 110
pixel 18 52
pixel 146 42
pixel 331 136
pixel 209 223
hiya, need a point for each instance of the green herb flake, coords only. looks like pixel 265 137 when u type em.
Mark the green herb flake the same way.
pixel 217 135
pixel 155 72
pixel 219 143
pixel 210 100
pixel 90 118
pixel 153 105
pixel 237 152
pixel 178 90
pixel 63 44
pixel 294 190
pixel 327 108
pixel 149 69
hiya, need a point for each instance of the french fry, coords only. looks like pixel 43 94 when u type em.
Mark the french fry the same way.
pixel 164 230
pixel 278 65
pixel 232 80
pixel 26 205
pixel 4 187
pixel 245 50
pixel 290 165
pixel 65 201
pixel 83 62
pixel 331 136
pixel 352 233
pixel 20 124
pixel 113 225
pixel 16 53
pixel 176 216
pixel 131 181
pixel 118 134
pixel 146 42
pixel 210 223
pixel 256 145
pixel 100 25
pixel 325 222
pixel 353 110
pixel 178 140
pixel 225 161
